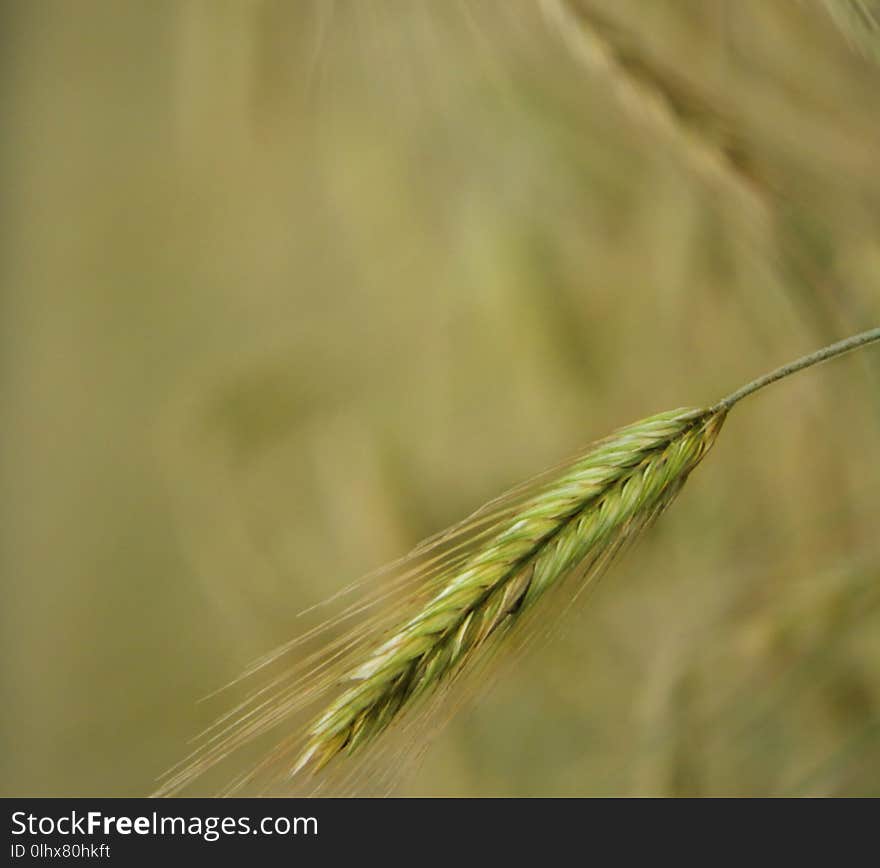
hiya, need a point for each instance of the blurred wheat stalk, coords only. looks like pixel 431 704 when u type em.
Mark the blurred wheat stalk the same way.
pixel 859 20
pixel 664 103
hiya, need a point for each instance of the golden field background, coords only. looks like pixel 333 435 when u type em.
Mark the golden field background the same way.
pixel 288 286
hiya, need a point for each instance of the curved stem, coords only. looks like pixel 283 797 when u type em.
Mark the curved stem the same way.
pixel 829 352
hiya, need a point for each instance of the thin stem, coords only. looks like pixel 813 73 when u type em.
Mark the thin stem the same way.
pixel 830 352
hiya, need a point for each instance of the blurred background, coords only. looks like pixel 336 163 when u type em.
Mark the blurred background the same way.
pixel 287 286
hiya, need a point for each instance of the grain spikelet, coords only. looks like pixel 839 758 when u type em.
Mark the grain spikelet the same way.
pixel 457 597
pixel 419 628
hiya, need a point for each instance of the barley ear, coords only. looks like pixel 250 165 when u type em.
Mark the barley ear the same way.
pixel 611 493
pixel 392 658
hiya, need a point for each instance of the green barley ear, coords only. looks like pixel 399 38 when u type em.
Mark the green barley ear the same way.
pixel 608 495
pixel 395 658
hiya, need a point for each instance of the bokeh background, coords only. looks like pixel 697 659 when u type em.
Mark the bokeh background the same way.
pixel 288 286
